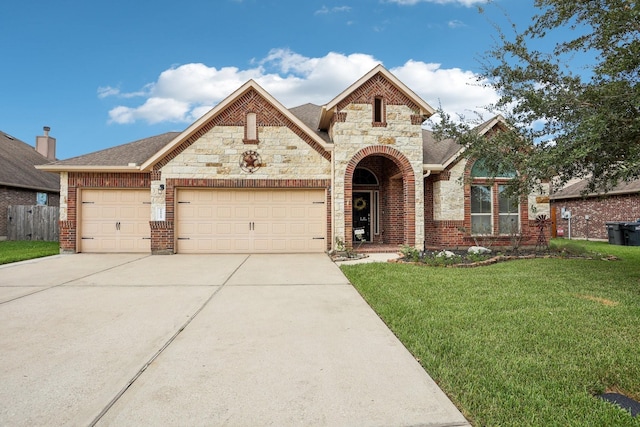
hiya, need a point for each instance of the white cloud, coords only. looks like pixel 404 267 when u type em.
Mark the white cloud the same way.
pixel 455 23
pixel 184 93
pixel 467 3
pixel 324 10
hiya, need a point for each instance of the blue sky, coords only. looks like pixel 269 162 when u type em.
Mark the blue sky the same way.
pixel 102 74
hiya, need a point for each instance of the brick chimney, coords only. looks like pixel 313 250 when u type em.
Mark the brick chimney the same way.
pixel 46 145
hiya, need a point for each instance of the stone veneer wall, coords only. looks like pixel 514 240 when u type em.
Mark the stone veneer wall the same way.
pixel 353 132
pixel 213 161
pixel 216 155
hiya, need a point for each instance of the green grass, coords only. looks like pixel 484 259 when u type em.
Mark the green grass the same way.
pixel 526 343
pixel 13 251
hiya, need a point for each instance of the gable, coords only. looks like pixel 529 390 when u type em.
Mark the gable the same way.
pixel 379 82
pixel 378 86
pixel 250 98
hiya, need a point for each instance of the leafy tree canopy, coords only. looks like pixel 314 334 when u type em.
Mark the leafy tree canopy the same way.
pixel 568 121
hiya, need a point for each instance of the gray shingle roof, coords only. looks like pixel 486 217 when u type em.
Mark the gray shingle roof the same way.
pixel 437 152
pixel 574 191
pixel 134 152
pixel 17 161
pixel 309 114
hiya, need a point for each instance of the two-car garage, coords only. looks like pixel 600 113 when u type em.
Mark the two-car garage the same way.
pixel 250 221
pixel 207 220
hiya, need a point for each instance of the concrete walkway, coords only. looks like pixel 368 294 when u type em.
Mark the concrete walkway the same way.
pixel 237 340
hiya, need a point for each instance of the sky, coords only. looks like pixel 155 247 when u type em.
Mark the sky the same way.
pixel 101 74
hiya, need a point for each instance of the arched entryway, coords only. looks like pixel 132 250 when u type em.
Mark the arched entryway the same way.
pixel 379 198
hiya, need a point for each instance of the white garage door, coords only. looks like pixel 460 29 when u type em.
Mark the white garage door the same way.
pixel 250 221
pixel 115 221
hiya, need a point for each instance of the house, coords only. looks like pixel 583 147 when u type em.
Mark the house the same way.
pixel 253 176
pixel 20 182
pixel 589 212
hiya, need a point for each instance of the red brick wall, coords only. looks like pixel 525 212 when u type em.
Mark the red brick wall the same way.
pixel 452 234
pixel 10 196
pixel 391 202
pixel 79 180
pixel 601 210
pixel 398 199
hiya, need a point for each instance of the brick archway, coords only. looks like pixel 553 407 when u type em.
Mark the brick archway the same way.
pixel 408 190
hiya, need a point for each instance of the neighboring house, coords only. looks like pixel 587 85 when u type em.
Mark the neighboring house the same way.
pixel 590 212
pixel 20 182
pixel 253 176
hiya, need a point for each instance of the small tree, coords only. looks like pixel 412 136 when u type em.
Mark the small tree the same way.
pixel 565 125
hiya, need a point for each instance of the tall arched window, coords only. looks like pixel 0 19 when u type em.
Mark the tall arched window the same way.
pixel 493 209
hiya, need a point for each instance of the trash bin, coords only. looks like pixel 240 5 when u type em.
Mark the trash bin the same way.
pixel 631 231
pixel 615 233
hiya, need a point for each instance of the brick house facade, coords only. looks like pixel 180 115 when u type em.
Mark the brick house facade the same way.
pixel 254 176
pixel 20 181
pixel 590 212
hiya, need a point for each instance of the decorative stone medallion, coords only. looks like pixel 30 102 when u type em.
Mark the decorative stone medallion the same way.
pixel 250 161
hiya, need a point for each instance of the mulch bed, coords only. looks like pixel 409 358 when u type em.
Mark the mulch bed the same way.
pixel 466 262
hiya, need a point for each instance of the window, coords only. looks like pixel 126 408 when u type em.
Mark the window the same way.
pixel 508 222
pixel 363 176
pixel 481 209
pixel 379 118
pixel 41 199
pixel 491 203
pixel 251 129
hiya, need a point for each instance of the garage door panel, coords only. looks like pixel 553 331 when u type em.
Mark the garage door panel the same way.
pixel 279 229
pixel 107 212
pixel 241 212
pixel 115 220
pixel 261 212
pixel 205 211
pixel 223 212
pixel 298 228
pixel 246 221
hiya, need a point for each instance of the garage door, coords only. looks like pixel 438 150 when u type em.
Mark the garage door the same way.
pixel 251 221
pixel 115 221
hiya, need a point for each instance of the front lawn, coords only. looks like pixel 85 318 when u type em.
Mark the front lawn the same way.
pixel 13 251
pixel 527 342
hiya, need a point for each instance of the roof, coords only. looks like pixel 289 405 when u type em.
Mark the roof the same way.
pixel 17 161
pixel 575 191
pixel 121 156
pixel 320 144
pixel 309 114
pixel 328 110
pixel 438 152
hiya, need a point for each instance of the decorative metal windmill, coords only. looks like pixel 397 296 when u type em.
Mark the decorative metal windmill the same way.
pixel 541 223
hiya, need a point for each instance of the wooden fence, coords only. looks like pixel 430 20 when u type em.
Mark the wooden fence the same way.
pixel 33 223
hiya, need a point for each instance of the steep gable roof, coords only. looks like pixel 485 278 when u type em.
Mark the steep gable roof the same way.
pixel 17 161
pixel 381 74
pixel 232 110
pixel 448 151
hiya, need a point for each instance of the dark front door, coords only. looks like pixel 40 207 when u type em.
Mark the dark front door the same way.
pixel 361 217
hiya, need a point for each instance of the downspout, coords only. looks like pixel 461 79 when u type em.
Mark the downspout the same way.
pixel 424 242
pixel 333 200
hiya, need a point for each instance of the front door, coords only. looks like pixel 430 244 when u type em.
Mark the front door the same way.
pixel 361 217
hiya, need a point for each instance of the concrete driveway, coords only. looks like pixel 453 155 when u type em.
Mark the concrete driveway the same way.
pixel 237 340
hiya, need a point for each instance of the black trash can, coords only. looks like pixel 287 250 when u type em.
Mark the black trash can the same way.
pixel 615 231
pixel 631 231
